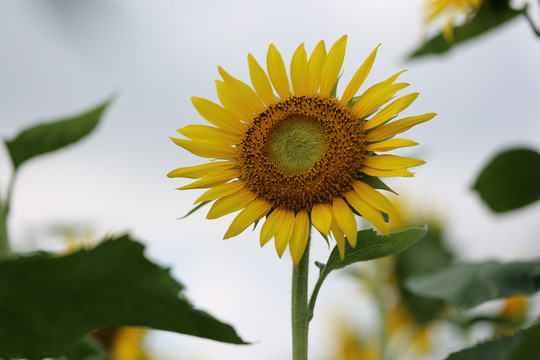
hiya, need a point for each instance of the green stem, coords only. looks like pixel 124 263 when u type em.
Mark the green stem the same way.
pixel 299 307
pixel 378 287
pixel 5 248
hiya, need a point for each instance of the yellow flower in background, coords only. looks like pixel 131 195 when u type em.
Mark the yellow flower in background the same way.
pixel 123 343
pixel 303 156
pixel 514 311
pixel 128 344
pixel 352 347
pixel 449 10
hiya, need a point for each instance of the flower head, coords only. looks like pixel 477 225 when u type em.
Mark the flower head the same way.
pixel 303 157
pixel 450 10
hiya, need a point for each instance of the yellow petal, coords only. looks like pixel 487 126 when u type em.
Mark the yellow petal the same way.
pixel 315 66
pixel 285 232
pixel 333 64
pixel 374 198
pixel 203 132
pixel 253 101
pixel 221 190
pixel 260 81
pixel 299 70
pixel 253 212
pixel 359 77
pixel 321 217
pixel 345 219
pixel 231 203
pixel 300 236
pixel 218 116
pixel 373 91
pixel 388 130
pixel 271 225
pixel 212 180
pixel 390 144
pixel 379 172
pixel 367 211
pixel 277 72
pixel 233 102
pixel 340 238
pixel 367 104
pixel 391 162
pixel 207 149
pixel 391 110
pixel 197 171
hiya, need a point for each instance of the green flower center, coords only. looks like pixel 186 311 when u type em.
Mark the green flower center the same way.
pixel 296 143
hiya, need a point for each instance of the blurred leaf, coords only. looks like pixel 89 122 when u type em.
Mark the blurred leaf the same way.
pixel 423 257
pixel 44 138
pixel 510 180
pixel 86 349
pixel 48 303
pixel 487 18
pixel 369 246
pixel 468 285
pixel 524 345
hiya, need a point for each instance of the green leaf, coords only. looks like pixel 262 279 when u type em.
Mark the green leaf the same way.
pixel 369 246
pixel 524 345
pixel 510 180
pixel 373 246
pixel 468 285
pixel 488 18
pixel 86 349
pixel 44 138
pixel 48 303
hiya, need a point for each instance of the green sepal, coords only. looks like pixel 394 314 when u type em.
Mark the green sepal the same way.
pixel 376 183
pixel 334 89
pixel 199 206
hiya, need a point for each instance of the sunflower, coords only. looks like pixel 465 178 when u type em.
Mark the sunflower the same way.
pixel 450 9
pixel 303 157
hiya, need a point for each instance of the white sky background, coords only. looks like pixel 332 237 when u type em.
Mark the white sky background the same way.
pixel 61 57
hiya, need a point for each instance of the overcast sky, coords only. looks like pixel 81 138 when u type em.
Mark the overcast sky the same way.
pixel 60 57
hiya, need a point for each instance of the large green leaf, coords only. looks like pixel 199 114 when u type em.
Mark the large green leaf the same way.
pixel 49 303
pixel 510 180
pixel 468 285
pixel 524 345
pixel 47 137
pixel 369 246
pixel 86 349
pixel 489 17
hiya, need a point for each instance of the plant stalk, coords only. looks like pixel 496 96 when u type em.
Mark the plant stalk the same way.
pixel 299 307
pixel 5 248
